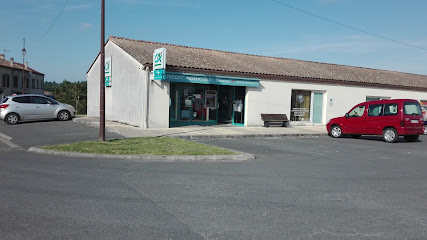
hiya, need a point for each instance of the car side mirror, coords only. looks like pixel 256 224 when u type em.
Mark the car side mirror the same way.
pixel 346 115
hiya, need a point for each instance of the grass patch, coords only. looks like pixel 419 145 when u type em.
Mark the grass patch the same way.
pixel 142 146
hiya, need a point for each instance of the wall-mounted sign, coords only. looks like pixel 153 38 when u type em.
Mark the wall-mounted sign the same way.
pixel 108 72
pixel 159 74
pixel 159 59
pixel 207 79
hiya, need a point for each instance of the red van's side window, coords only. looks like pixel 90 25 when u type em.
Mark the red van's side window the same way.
pixel 375 110
pixel 390 109
pixel 412 108
pixel 357 112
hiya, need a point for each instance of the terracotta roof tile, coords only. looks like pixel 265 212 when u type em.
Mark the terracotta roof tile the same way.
pixel 208 59
pixel 19 66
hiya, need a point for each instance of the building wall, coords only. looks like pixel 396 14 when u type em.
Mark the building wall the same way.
pixel 275 97
pixel 159 104
pixel 18 73
pixel 125 99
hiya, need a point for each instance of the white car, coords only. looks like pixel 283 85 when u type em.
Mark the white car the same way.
pixel 29 107
pixel 424 110
pixel 189 102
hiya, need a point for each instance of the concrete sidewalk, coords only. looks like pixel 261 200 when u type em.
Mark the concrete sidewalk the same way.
pixel 189 132
pixel 205 132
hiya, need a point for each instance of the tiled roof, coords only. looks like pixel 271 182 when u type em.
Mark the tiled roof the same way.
pixel 19 66
pixel 215 60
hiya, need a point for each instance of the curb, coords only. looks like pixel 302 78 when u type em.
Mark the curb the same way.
pixel 201 137
pixel 218 136
pixel 239 157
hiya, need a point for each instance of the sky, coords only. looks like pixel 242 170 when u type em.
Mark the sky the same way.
pixel 63 37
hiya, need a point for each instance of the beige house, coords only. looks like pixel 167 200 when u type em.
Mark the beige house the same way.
pixel 12 81
pixel 205 86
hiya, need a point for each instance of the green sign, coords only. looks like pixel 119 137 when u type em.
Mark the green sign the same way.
pixel 108 81
pixel 159 74
pixel 159 58
pixel 206 79
pixel 108 73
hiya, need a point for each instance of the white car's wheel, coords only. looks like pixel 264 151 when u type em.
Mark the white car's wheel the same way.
pixel 64 115
pixel 12 118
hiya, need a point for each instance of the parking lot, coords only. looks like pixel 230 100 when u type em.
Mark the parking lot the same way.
pixel 297 188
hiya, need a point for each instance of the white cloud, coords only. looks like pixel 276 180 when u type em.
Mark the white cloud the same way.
pixel 164 3
pixel 78 7
pixel 86 26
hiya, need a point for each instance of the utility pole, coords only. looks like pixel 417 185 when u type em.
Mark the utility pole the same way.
pixel 102 77
pixel 23 67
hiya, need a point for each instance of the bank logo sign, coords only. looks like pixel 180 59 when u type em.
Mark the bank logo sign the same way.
pixel 159 59
pixel 107 70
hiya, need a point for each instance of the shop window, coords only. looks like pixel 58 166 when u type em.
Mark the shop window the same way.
pixel 300 105
pixel 373 98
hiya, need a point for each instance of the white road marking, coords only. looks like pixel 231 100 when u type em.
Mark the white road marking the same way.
pixel 9 143
pixel 6 139
pixel 5 136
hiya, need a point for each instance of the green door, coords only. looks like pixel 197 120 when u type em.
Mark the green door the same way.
pixel 317 107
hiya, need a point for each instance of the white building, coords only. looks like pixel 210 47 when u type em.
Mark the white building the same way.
pixel 204 86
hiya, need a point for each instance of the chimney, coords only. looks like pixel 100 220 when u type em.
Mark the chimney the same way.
pixel 26 65
pixel 1 56
pixel 11 62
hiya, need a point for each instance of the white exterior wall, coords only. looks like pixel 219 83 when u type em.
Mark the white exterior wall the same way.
pixel 158 116
pixel 124 100
pixel 275 97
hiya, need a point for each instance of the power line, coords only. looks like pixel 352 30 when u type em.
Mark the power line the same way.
pixel 54 21
pixel 348 26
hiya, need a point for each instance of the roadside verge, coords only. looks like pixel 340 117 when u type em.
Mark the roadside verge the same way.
pixel 240 156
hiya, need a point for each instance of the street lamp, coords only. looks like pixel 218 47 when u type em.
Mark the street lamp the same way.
pixel 23 67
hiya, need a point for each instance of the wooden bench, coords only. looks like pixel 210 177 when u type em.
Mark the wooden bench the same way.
pixel 268 119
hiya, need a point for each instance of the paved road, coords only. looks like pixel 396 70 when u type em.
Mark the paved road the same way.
pixel 297 188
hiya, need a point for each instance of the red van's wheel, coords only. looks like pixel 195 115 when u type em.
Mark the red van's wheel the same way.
pixel 390 135
pixel 336 131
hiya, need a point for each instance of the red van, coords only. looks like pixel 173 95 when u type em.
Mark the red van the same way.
pixel 389 118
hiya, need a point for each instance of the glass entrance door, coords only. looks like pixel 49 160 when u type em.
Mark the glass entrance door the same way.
pixel 239 106
pixel 225 104
pixel 317 107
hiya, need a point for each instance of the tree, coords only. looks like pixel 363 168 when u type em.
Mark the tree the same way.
pixel 71 93
pixel 50 86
